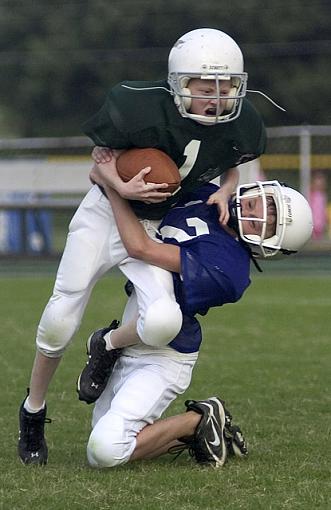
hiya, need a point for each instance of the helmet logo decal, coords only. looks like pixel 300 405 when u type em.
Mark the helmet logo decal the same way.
pixel 214 67
pixel 289 211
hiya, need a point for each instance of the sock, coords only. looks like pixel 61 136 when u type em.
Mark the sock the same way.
pixel 30 409
pixel 109 345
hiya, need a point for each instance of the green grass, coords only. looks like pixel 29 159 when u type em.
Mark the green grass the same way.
pixel 267 356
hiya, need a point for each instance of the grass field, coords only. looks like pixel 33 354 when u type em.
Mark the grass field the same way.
pixel 267 356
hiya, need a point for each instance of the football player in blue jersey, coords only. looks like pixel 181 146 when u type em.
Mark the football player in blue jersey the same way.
pixel 201 118
pixel 210 265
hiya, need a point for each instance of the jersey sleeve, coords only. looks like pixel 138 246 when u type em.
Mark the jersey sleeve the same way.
pixel 131 116
pixel 211 276
pixel 106 128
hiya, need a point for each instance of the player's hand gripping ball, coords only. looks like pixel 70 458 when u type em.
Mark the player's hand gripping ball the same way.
pixel 163 168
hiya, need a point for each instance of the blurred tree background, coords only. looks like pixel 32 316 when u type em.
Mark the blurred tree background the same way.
pixel 59 57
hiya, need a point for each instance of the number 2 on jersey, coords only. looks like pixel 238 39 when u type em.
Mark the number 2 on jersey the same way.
pixel 200 227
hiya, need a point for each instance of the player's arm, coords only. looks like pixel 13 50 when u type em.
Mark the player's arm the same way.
pixel 104 168
pixel 104 172
pixel 221 197
pixel 137 243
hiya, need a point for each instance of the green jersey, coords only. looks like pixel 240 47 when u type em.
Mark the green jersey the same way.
pixel 143 114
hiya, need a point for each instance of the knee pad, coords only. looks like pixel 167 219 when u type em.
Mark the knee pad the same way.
pixel 109 444
pixel 57 326
pixel 162 322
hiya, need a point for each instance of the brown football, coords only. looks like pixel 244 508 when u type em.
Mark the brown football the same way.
pixel 163 168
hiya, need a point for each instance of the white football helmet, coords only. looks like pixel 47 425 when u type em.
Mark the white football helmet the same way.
pixel 208 54
pixel 294 222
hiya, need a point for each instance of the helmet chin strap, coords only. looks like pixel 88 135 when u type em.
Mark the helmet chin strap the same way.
pixel 173 94
pixel 266 97
pixel 233 224
pixel 148 88
pixel 233 220
pixel 253 259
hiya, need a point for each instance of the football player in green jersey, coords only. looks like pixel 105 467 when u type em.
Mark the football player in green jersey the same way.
pixel 199 117
pixel 202 120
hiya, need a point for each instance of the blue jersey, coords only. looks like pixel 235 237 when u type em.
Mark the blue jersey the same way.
pixel 214 265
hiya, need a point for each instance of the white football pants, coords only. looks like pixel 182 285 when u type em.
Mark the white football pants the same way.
pixel 93 247
pixel 143 384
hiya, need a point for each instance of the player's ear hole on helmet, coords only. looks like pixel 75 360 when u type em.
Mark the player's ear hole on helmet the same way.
pixel 187 100
pixel 271 217
pixel 230 102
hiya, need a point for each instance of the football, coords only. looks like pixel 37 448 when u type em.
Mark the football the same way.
pixel 163 168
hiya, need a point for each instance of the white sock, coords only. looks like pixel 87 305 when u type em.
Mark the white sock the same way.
pixel 30 409
pixel 109 345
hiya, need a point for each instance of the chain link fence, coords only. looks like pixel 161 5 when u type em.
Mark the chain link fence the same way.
pixel 42 181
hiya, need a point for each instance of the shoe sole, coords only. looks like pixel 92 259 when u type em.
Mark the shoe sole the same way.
pixel 230 433
pixel 238 452
pixel 78 383
pixel 238 443
pixel 87 401
pixel 88 344
pixel 32 463
pixel 219 461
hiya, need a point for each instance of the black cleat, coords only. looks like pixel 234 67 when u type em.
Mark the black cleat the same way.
pixel 93 379
pixel 129 288
pixel 32 447
pixel 208 444
pixel 235 441
pixel 203 445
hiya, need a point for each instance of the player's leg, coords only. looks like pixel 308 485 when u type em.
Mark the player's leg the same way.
pixel 156 321
pixel 85 259
pixel 157 439
pixel 126 424
pixel 138 392
pixel 159 315
pixel 102 354
pixel 41 375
